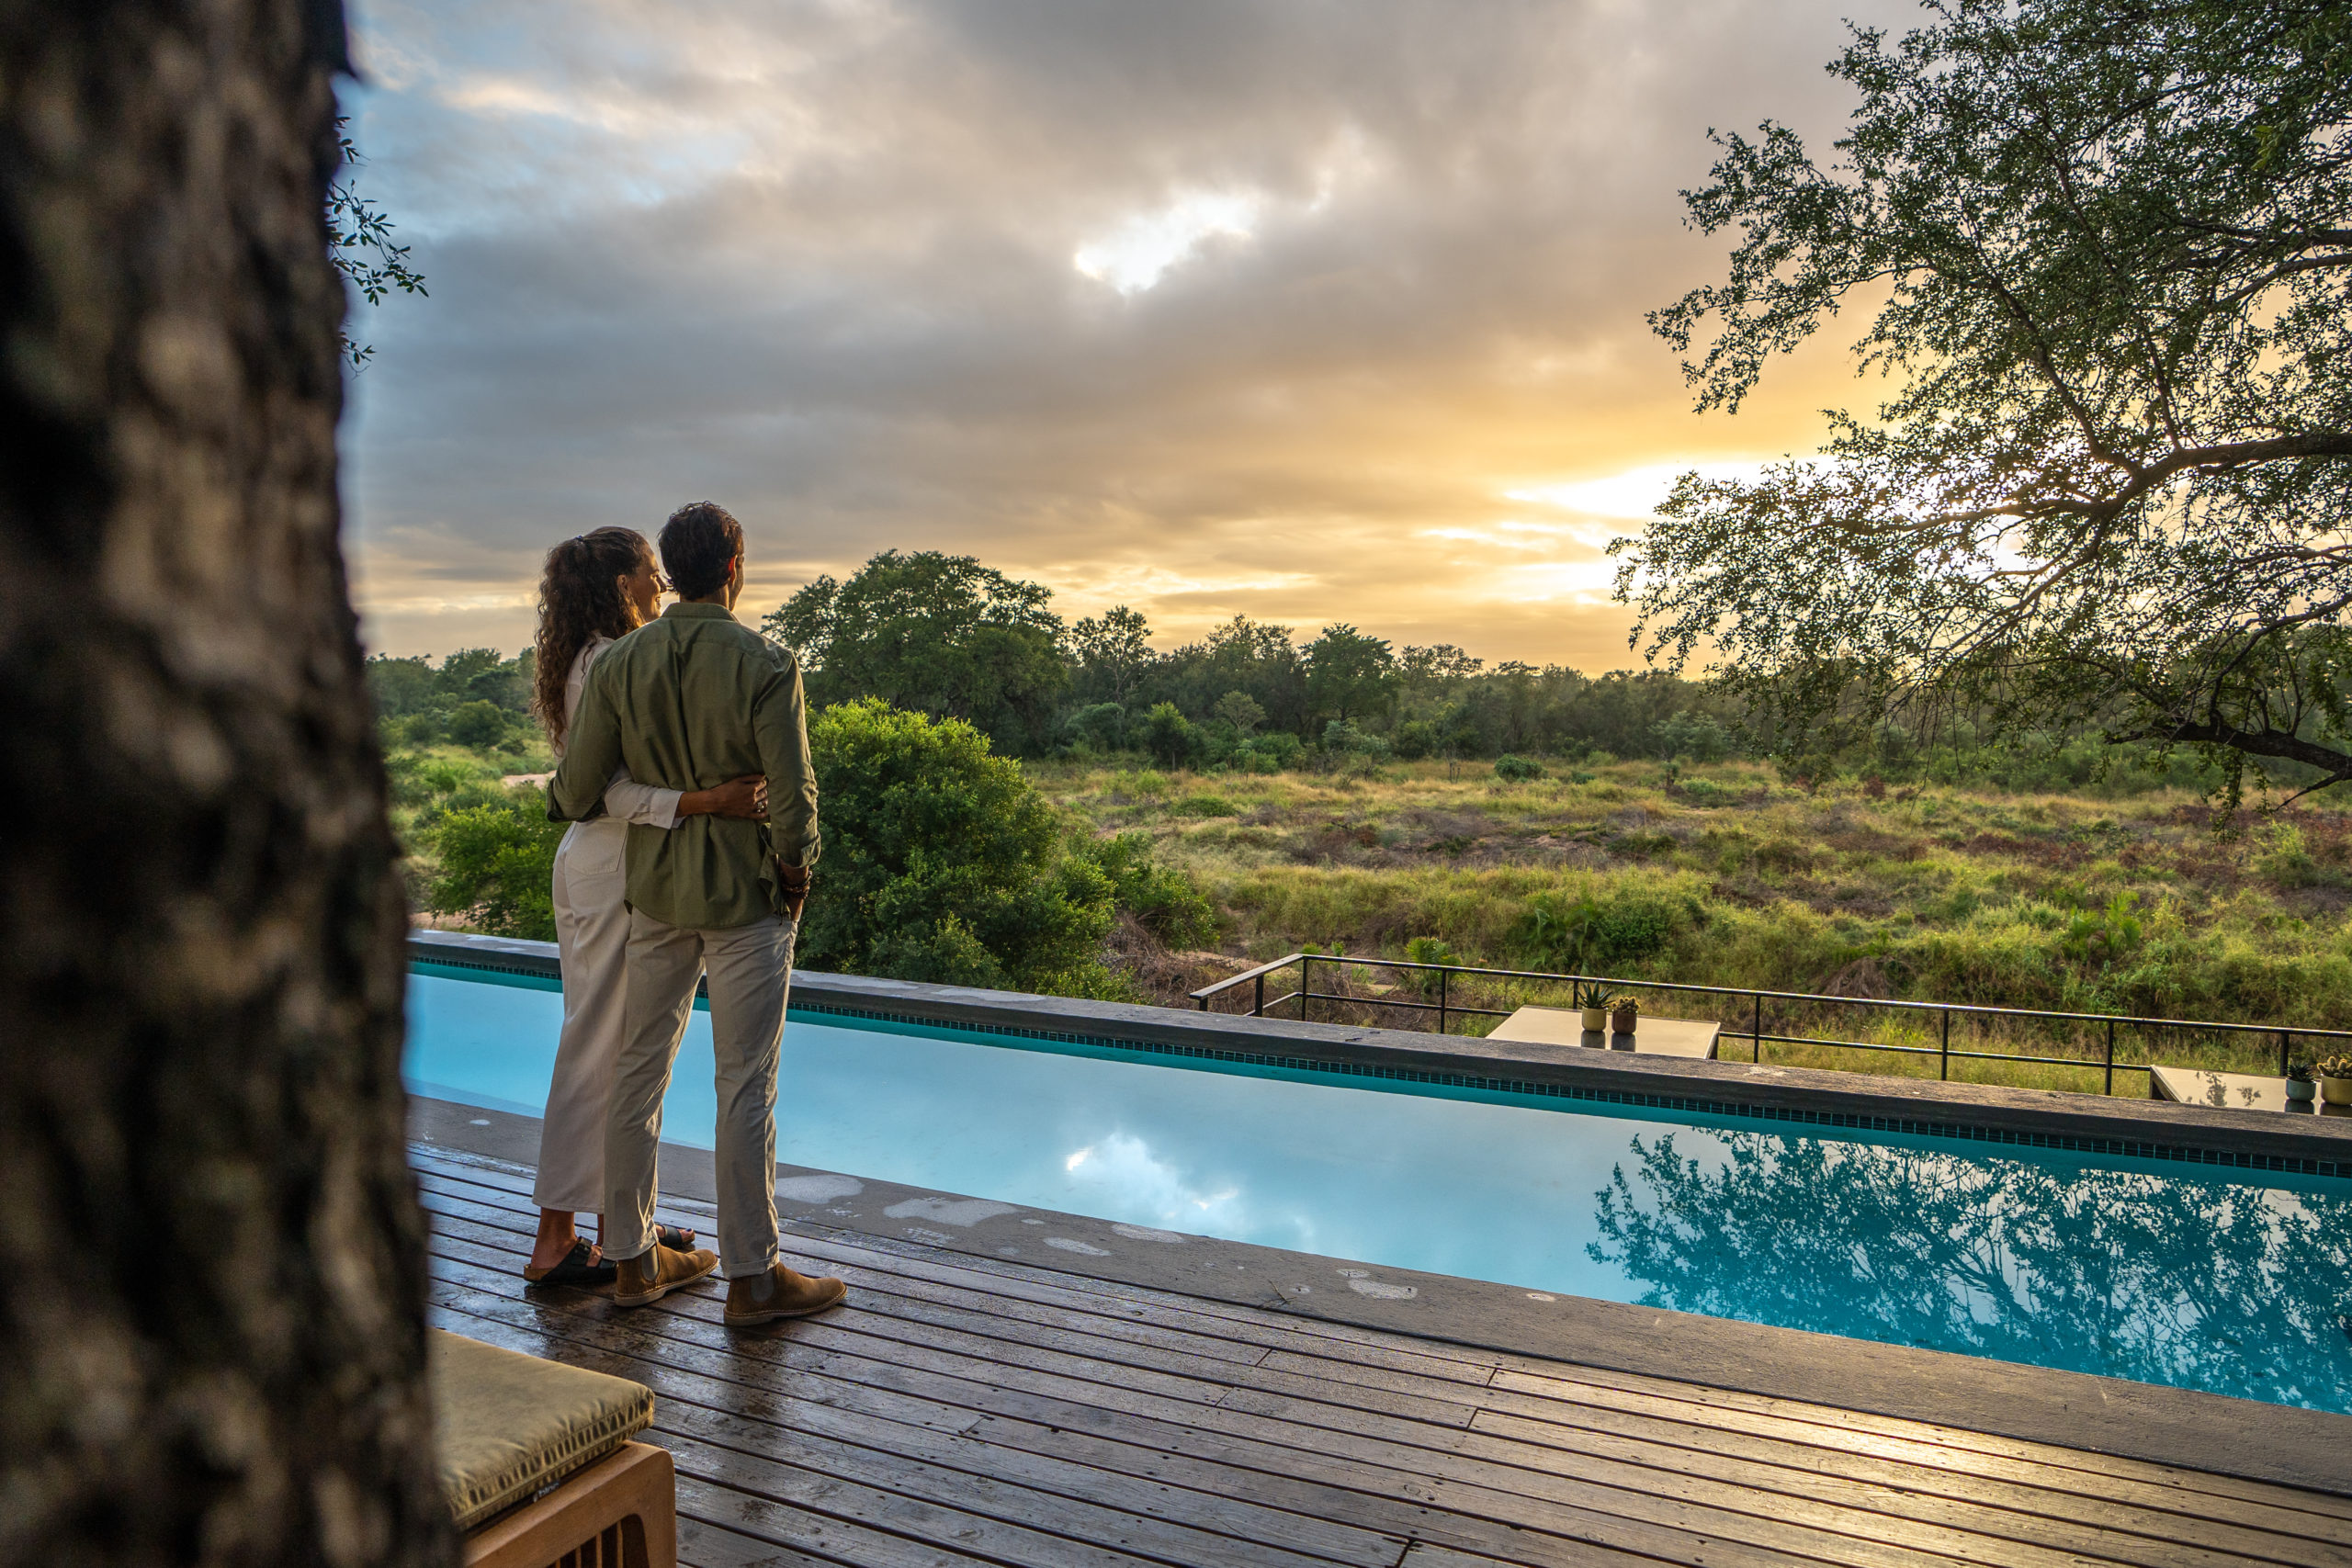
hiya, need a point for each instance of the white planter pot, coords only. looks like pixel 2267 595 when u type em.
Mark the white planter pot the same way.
pixel 1595 1020
pixel 2302 1090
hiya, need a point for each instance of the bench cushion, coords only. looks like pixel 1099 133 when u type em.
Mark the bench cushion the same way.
pixel 507 1425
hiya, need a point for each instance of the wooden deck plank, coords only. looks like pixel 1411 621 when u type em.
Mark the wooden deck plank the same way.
pixel 2062 1521
pixel 819 1536
pixel 1078 1310
pixel 1020 1343
pixel 2179 1492
pixel 1581 1529
pixel 1157 1343
pixel 969 1409
pixel 705 1545
pixel 1508 1456
pixel 1247 1325
pixel 2105 1469
pixel 1976 1549
pixel 818 1434
pixel 1542 1381
pixel 1520 1456
pixel 1285 1476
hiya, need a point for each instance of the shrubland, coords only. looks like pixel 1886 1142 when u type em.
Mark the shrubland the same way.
pixel 1729 875
pixel 2047 872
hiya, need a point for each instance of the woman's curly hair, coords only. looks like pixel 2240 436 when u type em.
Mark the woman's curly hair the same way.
pixel 580 601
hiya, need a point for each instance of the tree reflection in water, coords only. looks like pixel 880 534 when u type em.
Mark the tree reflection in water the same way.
pixel 2230 1287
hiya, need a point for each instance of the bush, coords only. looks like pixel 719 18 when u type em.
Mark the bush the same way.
pixel 1415 738
pixel 943 864
pixel 1269 753
pixel 1427 950
pixel 1590 934
pixel 1696 736
pixel 496 866
pixel 478 723
pixel 1344 738
pixel 1203 806
pixel 1101 729
pixel 1517 770
pixel 1162 898
pixel 1169 736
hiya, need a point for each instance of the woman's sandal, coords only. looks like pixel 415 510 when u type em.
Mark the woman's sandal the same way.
pixel 673 1237
pixel 575 1270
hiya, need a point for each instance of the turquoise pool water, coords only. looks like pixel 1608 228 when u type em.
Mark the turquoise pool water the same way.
pixel 2131 1269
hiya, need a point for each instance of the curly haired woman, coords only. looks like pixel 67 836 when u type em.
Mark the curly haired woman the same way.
pixel 597 587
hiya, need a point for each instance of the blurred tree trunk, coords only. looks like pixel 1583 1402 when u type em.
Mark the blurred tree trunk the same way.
pixel 212 1305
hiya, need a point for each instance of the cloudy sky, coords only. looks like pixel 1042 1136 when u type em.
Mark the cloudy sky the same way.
pixel 1309 310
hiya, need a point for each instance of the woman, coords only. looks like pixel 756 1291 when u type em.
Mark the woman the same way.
pixel 596 587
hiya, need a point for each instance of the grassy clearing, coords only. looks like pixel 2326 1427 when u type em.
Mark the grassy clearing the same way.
pixel 1721 876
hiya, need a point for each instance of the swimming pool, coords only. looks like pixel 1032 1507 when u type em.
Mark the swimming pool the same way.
pixel 2238 1285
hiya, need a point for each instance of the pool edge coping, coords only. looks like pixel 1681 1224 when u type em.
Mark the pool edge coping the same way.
pixel 2147 1423
pixel 2099 1125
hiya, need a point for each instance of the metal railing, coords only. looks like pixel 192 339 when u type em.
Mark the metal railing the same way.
pixel 1447 1009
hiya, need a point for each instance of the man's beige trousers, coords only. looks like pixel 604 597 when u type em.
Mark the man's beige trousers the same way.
pixel 751 973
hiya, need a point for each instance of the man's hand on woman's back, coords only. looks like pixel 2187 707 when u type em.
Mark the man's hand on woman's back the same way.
pixel 745 797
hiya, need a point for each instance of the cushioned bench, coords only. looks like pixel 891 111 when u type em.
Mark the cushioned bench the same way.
pixel 537 1465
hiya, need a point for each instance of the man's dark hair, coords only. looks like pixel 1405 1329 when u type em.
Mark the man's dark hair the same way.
pixel 697 542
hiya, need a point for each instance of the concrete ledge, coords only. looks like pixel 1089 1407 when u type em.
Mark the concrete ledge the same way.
pixel 2096 1124
pixel 1532 1331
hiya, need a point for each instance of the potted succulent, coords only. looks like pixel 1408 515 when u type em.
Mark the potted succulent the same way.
pixel 1625 1011
pixel 2336 1079
pixel 1594 1006
pixel 2301 1087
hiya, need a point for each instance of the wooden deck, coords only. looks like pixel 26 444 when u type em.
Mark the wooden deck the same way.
pixel 963 1410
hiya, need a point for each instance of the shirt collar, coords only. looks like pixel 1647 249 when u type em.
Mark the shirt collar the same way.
pixel 684 611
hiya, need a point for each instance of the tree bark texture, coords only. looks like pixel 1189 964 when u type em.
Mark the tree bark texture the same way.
pixel 211 1286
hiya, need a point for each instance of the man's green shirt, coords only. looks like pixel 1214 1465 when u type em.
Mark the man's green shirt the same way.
pixel 688 702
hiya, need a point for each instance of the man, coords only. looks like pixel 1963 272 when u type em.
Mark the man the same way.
pixel 688 701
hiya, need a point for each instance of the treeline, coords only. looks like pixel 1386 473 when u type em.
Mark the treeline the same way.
pixel 945 636
pixel 948 637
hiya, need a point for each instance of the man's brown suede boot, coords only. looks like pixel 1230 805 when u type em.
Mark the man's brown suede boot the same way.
pixel 789 1294
pixel 655 1274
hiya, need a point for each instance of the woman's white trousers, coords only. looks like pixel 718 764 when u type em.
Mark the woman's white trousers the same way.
pixel 592 937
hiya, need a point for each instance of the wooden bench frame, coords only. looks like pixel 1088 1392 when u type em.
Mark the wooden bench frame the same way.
pixel 620 1512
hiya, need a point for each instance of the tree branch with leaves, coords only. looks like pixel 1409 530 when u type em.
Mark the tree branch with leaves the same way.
pixel 2111 252
pixel 359 241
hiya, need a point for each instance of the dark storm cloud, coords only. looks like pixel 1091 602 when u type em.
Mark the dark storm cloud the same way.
pixel 823 262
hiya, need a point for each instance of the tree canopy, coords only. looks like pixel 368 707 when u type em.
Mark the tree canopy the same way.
pixel 937 634
pixel 2110 248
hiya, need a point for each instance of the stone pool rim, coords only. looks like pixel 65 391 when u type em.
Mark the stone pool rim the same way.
pixel 2098 1125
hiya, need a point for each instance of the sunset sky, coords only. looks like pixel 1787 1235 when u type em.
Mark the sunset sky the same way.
pixel 1314 312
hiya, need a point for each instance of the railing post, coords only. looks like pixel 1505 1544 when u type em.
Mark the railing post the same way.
pixel 1257 1009
pixel 2110 1057
pixel 1305 983
pixel 2282 1053
pixel 1756 1030
pixel 1441 1001
pixel 1943 1060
